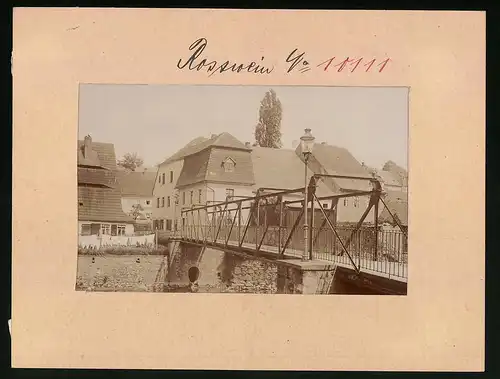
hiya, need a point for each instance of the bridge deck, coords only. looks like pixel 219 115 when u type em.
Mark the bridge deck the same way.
pixel 390 270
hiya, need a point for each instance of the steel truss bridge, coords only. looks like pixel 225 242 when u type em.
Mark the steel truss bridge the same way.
pixel 269 224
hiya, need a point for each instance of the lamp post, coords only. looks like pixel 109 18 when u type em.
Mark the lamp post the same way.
pixel 306 143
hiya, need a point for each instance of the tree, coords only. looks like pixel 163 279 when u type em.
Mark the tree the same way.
pixel 130 161
pixel 136 211
pixel 268 130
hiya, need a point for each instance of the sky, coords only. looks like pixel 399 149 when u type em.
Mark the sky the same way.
pixel 157 120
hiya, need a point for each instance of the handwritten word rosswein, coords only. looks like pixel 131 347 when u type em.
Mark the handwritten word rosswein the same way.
pixel 213 66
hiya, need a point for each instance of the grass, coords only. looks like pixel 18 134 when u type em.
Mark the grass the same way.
pixel 124 250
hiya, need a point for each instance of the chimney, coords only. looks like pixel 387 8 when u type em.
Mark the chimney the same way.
pixel 87 146
pixel 295 144
pixel 247 144
pixel 323 143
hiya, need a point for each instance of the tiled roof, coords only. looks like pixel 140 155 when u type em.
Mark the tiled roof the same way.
pixel 398 172
pixel 100 205
pixel 281 169
pixel 136 184
pixel 225 140
pixel 105 152
pixel 388 178
pixel 94 202
pixel 194 169
pixel 207 165
pixel 96 176
pixel 333 160
pixel 397 202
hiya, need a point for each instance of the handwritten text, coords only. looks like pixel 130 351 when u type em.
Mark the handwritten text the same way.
pixel 213 66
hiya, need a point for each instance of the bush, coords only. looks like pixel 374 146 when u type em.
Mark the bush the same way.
pixel 123 250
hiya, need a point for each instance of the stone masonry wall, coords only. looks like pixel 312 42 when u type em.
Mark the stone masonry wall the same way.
pixel 229 272
pixel 248 275
pixel 120 273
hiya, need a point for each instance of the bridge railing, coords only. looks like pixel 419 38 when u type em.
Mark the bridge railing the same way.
pixel 268 222
pixel 390 257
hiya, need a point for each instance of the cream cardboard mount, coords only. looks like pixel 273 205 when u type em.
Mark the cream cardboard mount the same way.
pixel 439 56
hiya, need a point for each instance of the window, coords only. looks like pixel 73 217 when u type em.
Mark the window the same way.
pixel 121 230
pixel 171 176
pixel 191 197
pixel 325 205
pixel 157 202
pixel 183 198
pixel 85 230
pixel 229 193
pixel 158 224
pixel 199 196
pixel 356 202
pixel 228 165
pixel 163 178
pixel 162 202
pixel 113 230
pixel 105 229
pixel 168 201
pixel 346 202
pixel 169 224
pixel 148 202
pixel 159 178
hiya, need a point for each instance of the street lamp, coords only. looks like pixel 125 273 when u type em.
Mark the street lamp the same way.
pixel 307 144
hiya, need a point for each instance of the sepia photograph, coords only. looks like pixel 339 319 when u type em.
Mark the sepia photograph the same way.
pixel 243 189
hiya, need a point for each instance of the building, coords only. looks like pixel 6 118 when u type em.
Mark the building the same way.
pixel 395 185
pixel 99 196
pixel 282 169
pixel 137 192
pixel 397 202
pixel 332 160
pixel 210 170
pixel 390 181
pixel 398 172
pixel 205 171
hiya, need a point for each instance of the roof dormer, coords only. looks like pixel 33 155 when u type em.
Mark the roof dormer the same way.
pixel 228 164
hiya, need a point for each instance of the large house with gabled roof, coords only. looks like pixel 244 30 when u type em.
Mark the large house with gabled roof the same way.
pixel 206 170
pixel 99 197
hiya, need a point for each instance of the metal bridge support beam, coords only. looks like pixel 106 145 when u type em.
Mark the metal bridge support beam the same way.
pixel 220 224
pixel 375 221
pixel 280 223
pixel 356 268
pixel 231 229
pixel 311 230
pixel 323 222
pixel 250 217
pixel 295 224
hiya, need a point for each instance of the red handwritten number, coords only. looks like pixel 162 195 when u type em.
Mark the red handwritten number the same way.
pixel 357 64
pixel 327 64
pixel 383 63
pixel 343 64
pixel 354 63
pixel 370 64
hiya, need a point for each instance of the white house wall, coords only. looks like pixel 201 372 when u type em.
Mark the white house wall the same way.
pixel 161 190
pixel 128 203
